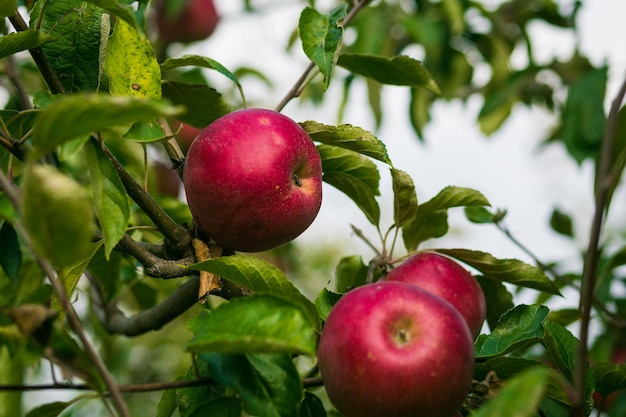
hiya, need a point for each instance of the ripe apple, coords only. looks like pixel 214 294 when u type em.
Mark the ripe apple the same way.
pixel 190 21
pixel 394 349
pixel 447 279
pixel 253 180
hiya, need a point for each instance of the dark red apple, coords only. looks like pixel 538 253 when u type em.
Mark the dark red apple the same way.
pixel 394 349
pixel 185 21
pixel 447 279
pixel 253 180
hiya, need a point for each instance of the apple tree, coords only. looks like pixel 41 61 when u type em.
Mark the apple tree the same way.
pixel 118 297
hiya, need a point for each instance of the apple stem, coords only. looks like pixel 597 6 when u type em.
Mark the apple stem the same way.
pixel 296 180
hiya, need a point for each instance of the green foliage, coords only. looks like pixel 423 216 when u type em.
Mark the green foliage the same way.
pixel 254 324
pixel 49 196
pixel 83 128
pixel 510 403
pixel 321 37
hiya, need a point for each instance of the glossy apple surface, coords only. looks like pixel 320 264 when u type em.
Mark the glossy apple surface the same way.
pixel 447 279
pixel 253 180
pixel 193 20
pixel 394 349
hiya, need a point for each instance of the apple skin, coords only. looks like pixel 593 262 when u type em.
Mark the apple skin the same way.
pixel 447 279
pixel 195 21
pixel 253 180
pixel 394 349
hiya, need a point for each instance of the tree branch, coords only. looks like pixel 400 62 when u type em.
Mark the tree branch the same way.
pixel 176 237
pixel 155 266
pixel 49 75
pixel 179 301
pixel 71 315
pixel 602 193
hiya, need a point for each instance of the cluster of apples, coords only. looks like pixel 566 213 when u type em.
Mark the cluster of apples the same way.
pixel 403 346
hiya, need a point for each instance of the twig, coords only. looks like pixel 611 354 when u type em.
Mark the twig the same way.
pixel 176 237
pixel 124 388
pixel 49 75
pixel 175 304
pixel 155 266
pixel 614 318
pixel 296 89
pixel 592 255
pixel 10 69
pixel 72 316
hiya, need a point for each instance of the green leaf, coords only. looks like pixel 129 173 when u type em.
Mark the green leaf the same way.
pixel 131 65
pixel 109 196
pixel 561 223
pixel 520 397
pixel 609 377
pixel 561 344
pixel 79 115
pixel 49 410
pixel 69 276
pixel 202 62
pixel 398 70
pixel 513 271
pixel 321 37
pixel 499 300
pixel 312 406
pixel 11 253
pixel 404 198
pixel 203 104
pixel 419 110
pixel 268 384
pixel 167 404
pixel 118 9
pixel 8 7
pixel 355 176
pixel 431 220
pixel 21 41
pixel 77 29
pixel 253 324
pixel 260 277
pixel 518 327
pixel 57 215
pixel 452 196
pixel 350 272
pixel 482 215
pixel 583 117
pixel 348 137
pixel 325 301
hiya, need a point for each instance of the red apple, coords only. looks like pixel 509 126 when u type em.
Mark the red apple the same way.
pixel 253 180
pixel 447 279
pixel 190 21
pixel 394 349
